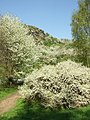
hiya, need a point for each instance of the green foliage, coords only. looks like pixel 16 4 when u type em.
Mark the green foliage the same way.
pixel 34 111
pixel 52 41
pixel 81 32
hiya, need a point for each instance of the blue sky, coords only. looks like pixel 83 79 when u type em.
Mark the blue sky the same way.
pixel 53 16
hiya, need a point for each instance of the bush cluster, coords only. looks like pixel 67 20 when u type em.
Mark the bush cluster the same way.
pixel 65 85
pixel 54 54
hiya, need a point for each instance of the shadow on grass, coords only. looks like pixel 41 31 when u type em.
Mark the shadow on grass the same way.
pixel 36 112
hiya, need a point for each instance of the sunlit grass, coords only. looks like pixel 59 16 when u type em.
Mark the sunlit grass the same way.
pixel 34 111
pixel 4 92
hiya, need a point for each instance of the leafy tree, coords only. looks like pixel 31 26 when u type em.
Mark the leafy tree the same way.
pixel 17 49
pixel 81 31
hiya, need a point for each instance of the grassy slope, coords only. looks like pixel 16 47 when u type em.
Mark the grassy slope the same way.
pixel 36 112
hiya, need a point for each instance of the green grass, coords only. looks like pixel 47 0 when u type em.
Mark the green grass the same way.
pixel 34 111
pixel 4 92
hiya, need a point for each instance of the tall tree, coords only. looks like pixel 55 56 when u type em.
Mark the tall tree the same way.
pixel 81 31
pixel 17 49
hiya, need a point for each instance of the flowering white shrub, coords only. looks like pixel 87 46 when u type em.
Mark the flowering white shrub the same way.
pixel 65 85
pixel 51 54
pixel 17 49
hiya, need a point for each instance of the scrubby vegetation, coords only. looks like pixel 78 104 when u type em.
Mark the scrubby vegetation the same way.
pixel 65 85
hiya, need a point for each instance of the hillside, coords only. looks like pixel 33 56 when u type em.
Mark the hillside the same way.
pixel 41 37
pixel 53 49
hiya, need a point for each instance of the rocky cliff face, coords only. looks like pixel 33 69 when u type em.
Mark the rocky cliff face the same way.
pixel 41 37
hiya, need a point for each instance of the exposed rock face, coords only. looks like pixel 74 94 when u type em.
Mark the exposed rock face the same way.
pixel 65 85
pixel 40 36
pixel 37 33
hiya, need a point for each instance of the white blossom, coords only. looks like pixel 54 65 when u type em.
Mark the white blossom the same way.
pixel 65 85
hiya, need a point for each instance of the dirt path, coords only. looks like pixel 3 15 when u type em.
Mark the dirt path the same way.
pixel 8 103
